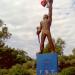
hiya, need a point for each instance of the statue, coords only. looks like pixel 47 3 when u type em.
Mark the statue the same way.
pixel 44 28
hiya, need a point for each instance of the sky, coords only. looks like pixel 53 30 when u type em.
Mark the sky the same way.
pixel 23 16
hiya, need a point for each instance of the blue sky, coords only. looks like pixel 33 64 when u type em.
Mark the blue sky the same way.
pixel 23 16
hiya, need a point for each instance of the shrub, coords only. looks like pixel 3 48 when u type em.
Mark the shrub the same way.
pixel 68 71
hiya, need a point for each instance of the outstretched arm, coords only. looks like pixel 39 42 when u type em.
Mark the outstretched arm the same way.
pixel 50 10
pixel 39 29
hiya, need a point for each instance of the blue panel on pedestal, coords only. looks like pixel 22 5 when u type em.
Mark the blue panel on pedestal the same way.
pixel 47 63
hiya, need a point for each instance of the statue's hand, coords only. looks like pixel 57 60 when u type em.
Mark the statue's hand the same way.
pixel 43 3
pixel 38 32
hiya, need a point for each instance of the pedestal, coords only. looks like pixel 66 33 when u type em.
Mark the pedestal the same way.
pixel 47 64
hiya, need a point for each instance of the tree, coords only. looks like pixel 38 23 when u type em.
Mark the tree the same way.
pixel 68 71
pixel 60 44
pixel 12 55
pixel 16 70
pixel 73 51
pixel 7 54
pixel 4 71
pixel 1 22
pixel 4 33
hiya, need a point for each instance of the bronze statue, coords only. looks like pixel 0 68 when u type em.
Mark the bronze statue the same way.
pixel 44 28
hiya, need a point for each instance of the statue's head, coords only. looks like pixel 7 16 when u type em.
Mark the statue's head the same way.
pixel 45 16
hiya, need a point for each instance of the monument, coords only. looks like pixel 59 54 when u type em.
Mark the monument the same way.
pixel 44 29
pixel 47 64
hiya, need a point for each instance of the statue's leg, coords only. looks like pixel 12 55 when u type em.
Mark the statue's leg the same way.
pixel 43 36
pixel 51 44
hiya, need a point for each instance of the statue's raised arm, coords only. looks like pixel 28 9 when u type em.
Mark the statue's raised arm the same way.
pixel 49 4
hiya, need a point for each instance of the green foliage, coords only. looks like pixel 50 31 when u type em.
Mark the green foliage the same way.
pixel 3 37
pixel 1 22
pixel 3 72
pixel 66 61
pixel 1 34
pixel 46 49
pixel 73 51
pixel 4 33
pixel 68 71
pixel 13 56
pixel 16 70
pixel 32 72
pixel 59 46
pixel 28 65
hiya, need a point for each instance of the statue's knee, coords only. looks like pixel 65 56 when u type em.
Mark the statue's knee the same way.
pixel 42 44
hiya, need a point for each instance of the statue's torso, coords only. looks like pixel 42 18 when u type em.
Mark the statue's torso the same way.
pixel 45 26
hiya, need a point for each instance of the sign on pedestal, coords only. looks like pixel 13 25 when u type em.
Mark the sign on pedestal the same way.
pixel 47 64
